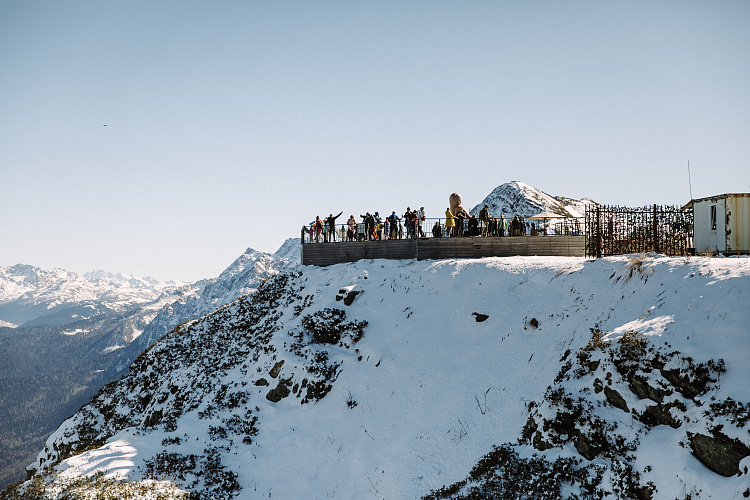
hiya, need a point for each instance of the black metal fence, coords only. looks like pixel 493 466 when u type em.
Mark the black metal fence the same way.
pixel 613 230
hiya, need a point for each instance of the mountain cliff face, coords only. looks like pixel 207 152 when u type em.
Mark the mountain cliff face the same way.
pixel 553 377
pixel 517 198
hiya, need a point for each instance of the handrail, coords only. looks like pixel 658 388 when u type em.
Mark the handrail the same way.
pixel 431 228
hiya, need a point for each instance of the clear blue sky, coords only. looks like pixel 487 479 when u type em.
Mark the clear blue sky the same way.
pixel 231 124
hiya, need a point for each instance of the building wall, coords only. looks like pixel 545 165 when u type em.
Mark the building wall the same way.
pixel 738 227
pixel 324 254
pixel 732 231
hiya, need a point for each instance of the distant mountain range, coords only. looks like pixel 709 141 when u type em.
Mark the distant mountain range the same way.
pixel 30 296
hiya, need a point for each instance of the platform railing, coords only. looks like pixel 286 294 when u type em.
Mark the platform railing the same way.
pixel 431 228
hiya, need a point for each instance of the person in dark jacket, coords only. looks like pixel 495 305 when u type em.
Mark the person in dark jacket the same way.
pixel 461 216
pixel 473 226
pixel 492 228
pixel 331 229
pixel 393 221
pixel 369 222
pixel 408 222
pixel 484 220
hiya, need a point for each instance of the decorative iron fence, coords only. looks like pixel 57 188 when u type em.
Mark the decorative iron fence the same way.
pixel 613 230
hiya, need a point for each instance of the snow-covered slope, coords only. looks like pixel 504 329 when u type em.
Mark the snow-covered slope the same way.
pixel 33 296
pixel 517 198
pixel 84 355
pixel 290 250
pixel 401 379
pixel 242 277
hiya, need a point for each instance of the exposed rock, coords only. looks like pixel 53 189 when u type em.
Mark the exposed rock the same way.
pixel 153 419
pixel 683 384
pixel 276 369
pixel 643 390
pixel 480 317
pixel 659 414
pixel 593 365
pixel 614 398
pixel 719 453
pixel 262 382
pixel 598 386
pixel 585 447
pixel 347 296
pixel 539 443
pixel 279 392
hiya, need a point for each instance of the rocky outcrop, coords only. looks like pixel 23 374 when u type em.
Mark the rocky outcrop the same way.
pixel 614 398
pixel 719 452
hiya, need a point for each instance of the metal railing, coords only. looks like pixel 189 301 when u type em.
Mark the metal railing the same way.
pixel 433 228
pixel 613 230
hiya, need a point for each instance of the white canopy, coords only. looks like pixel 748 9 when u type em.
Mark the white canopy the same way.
pixel 547 215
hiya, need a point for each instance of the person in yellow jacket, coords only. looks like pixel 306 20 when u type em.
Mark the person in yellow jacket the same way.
pixel 450 222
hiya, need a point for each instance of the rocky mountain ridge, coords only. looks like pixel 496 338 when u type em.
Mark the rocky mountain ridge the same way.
pixel 554 377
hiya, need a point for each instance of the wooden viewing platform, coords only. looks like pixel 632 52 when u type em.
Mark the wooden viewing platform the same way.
pixel 326 254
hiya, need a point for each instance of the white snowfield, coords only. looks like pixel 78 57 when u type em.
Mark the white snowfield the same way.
pixel 430 389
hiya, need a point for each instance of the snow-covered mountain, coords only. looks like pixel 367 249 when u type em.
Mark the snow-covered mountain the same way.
pixel 242 277
pixel 33 296
pixel 517 198
pixel 522 377
pixel 49 371
pixel 290 250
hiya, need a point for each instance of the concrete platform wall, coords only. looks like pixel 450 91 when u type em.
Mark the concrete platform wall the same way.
pixel 325 254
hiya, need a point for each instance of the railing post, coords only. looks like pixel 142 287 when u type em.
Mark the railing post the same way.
pixel 598 232
pixel 656 230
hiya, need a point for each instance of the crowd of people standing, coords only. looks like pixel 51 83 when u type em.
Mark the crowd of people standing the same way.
pixel 371 227
pixel 411 225
pixel 462 224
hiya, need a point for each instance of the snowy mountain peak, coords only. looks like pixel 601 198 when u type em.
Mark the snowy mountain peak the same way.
pixel 518 198
pixel 290 249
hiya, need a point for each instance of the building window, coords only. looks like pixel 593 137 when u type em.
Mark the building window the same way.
pixel 713 217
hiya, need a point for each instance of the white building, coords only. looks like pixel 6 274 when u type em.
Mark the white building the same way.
pixel 722 223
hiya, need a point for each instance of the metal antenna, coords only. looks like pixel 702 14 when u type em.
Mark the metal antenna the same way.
pixel 690 182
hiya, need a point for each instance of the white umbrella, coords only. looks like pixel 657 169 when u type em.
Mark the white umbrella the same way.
pixel 547 215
